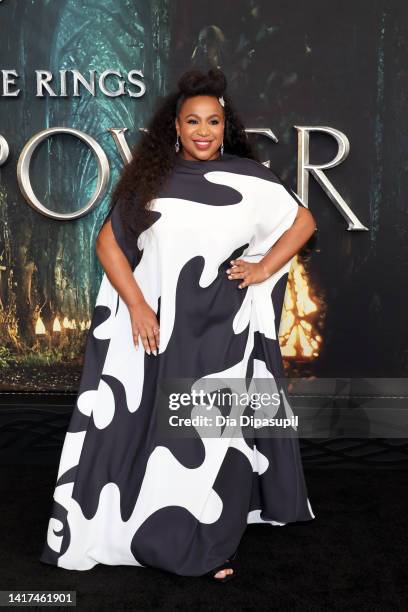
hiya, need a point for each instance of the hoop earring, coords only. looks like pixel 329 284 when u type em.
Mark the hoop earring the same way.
pixel 222 148
pixel 177 145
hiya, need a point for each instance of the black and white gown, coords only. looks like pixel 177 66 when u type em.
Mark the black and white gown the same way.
pixel 124 496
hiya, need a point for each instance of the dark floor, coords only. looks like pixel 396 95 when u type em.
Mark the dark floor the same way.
pixel 353 556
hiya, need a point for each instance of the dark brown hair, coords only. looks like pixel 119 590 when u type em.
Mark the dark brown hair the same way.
pixel 153 156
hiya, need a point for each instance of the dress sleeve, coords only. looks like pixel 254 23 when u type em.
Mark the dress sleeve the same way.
pixel 276 209
pixel 129 250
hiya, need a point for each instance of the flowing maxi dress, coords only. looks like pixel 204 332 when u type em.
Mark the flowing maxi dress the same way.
pixel 125 495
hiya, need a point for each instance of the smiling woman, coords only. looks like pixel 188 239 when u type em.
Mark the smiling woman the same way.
pixel 201 133
pixel 209 218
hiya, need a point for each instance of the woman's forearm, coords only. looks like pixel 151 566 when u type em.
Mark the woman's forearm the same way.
pixel 290 242
pixel 117 267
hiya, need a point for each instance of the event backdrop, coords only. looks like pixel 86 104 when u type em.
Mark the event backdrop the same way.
pixel 289 64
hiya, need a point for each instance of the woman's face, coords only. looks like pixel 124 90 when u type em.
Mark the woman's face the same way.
pixel 200 128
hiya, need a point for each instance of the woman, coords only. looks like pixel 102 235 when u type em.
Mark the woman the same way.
pixel 191 296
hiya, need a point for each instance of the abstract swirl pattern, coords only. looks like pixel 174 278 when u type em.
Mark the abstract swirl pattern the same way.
pixel 122 496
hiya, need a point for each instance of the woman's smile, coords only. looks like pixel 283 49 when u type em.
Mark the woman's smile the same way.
pixel 202 144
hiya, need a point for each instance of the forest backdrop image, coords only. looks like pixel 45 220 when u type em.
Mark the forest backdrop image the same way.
pixel 342 313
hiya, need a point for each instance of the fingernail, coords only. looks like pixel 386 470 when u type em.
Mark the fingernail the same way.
pixel 154 353
pixel 148 351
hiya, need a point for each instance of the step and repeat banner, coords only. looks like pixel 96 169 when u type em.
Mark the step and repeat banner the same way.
pixel 323 92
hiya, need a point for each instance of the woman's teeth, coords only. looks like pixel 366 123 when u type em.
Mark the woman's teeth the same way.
pixel 202 144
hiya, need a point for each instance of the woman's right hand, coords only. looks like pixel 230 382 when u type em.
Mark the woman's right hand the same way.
pixel 144 324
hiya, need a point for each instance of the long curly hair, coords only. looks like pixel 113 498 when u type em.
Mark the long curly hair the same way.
pixel 154 155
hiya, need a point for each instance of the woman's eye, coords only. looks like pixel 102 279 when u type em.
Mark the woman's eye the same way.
pixel 195 121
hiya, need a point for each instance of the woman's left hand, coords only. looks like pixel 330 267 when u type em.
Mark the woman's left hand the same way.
pixel 250 272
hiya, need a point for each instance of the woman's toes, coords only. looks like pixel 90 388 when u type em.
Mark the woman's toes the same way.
pixel 223 573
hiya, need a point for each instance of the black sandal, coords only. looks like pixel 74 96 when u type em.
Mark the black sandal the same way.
pixel 228 564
